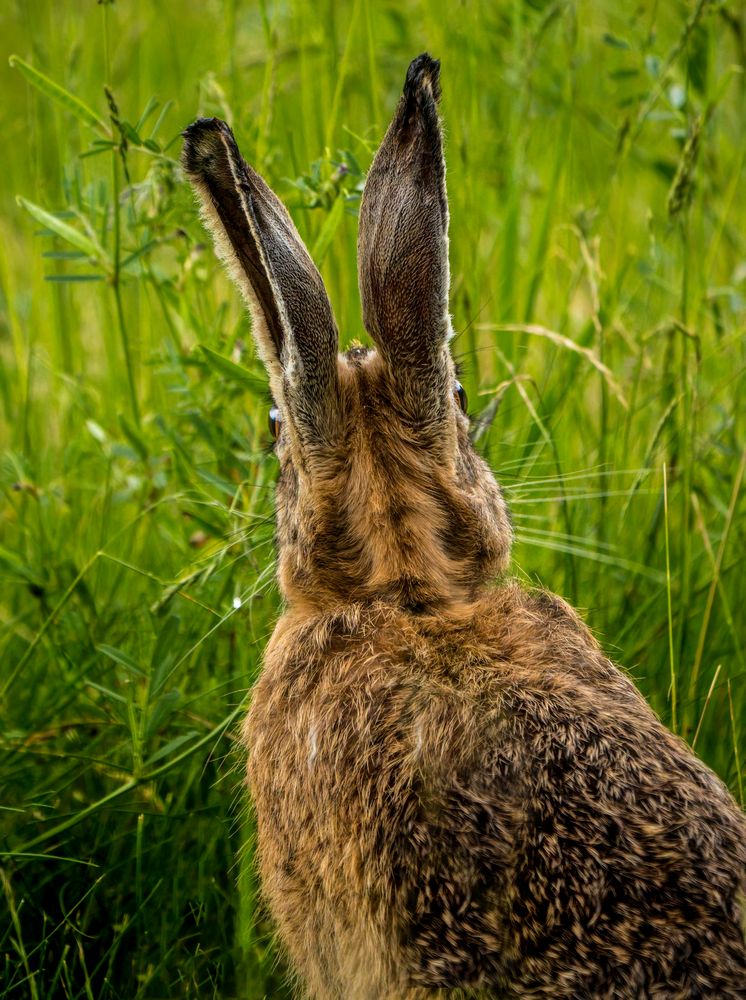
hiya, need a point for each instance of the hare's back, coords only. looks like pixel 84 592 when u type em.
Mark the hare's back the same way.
pixel 495 799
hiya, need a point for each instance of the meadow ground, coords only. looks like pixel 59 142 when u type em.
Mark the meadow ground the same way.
pixel 598 255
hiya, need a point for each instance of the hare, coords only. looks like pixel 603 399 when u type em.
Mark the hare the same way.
pixel 456 793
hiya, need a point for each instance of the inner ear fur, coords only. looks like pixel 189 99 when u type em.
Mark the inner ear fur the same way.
pixel 403 243
pixel 292 319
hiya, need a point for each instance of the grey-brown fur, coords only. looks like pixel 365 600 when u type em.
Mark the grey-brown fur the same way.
pixel 456 793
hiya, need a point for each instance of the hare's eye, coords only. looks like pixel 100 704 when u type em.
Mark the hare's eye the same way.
pixel 460 394
pixel 274 422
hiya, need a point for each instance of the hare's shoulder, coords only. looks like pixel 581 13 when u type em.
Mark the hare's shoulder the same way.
pixel 510 638
pixel 516 666
pixel 516 686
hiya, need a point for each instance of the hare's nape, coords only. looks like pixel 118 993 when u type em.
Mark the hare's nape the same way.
pixel 292 319
pixel 403 245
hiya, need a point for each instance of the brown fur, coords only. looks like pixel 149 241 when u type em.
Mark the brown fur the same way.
pixel 456 793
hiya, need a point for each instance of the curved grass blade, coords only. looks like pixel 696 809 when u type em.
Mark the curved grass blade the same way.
pixel 562 341
pixel 63 97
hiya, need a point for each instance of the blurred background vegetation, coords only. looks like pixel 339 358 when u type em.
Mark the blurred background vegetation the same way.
pixel 596 180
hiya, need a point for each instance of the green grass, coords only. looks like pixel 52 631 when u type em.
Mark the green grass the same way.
pixel 596 181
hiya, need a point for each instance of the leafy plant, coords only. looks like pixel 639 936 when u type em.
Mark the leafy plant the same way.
pixel 598 265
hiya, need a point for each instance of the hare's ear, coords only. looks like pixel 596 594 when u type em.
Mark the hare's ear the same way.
pixel 292 319
pixel 403 244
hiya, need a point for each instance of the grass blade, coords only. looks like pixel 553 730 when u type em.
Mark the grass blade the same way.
pixel 63 97
pixel 672 663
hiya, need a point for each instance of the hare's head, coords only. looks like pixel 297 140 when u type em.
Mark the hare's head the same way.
pixel 381 494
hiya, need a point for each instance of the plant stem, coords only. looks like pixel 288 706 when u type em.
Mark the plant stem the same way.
pixel 674 725
pixel 116 285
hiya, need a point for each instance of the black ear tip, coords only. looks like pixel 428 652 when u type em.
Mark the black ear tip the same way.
pixel 423 77
pixel 201 140
pixel 202 127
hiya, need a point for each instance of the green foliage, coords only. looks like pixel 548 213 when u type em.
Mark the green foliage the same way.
pixel 598 265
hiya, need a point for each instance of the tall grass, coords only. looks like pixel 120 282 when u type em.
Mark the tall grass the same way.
pixel 596 168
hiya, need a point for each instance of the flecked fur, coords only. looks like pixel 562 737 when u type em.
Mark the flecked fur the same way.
pixel 457 794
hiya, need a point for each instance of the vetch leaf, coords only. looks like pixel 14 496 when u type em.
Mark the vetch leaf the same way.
pixel 73 277
pixel 614 41
pixel 134 437
pixel 66 232
pixel 222 484
pixel 163 708
pixel 119 656
pixel 150 107
pixel 159 121
pixel 174 744
pixel 234 373
pixel 164 654
pixel 326 235
pixel 97 431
